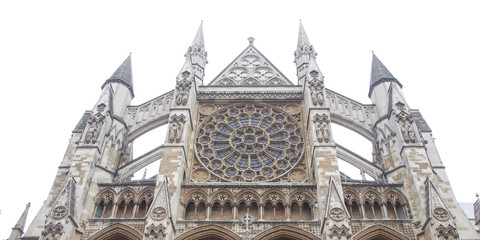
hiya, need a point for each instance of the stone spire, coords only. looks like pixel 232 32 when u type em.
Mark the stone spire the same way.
pixel 380 74
pixel 123 75
pixel 196 54
pixel 198 40
pixel 17 231
pixel 304 54
pixel 302 37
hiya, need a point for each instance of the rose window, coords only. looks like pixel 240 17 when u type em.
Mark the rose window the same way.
pixel 254 142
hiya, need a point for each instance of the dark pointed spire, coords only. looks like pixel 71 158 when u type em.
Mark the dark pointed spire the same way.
pixel 22 220
pixel 380 74
pixel 123 75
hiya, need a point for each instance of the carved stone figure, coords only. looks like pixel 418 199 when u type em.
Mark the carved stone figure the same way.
pixel 407 130
pixel 176 128
pixel 183 89
pixel 321 128
pixel 95 125
pixel 316 88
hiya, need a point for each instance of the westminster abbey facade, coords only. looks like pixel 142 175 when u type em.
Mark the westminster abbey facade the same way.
pixel 251 155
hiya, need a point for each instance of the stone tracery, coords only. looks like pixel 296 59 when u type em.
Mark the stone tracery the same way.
pixel 249 142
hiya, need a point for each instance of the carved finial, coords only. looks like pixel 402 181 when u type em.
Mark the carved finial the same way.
pixel 28 205
pixel 250 40
pixel 144 174
pixel 476 195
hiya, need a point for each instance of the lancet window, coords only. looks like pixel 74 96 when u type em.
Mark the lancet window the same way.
pixel 272 206
pixel 122 205
pixel 370 205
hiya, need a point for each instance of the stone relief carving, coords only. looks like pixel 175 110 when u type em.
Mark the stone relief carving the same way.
pixel 316 88
pixel 405 122
pixel 176 128
pixel 183 89
pixel 159 213
pixel 95 125
pixel 337 214
pixel 342 232
pixel 441 214
pixel 322 130
pixel 155 232
pixel 52 229
pixel 59 212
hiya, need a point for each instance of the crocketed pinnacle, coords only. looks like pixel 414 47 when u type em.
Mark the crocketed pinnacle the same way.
pixel 380 74
pixel 123 75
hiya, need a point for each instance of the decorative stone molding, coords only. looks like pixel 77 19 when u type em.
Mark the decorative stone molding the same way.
pixel 260 94
pixel 53 229
pixel 155 232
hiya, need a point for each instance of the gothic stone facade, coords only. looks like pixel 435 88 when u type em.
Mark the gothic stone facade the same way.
pixel 251 156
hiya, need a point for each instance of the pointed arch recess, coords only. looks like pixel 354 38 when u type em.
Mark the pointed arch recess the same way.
pixel 377 231
pixel 209 232
pixel 282 232
pixel 115 231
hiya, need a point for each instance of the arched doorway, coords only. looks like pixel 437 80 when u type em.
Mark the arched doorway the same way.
pixel 286 233
pixel 209 232
pixel 117 232
pixel 379 232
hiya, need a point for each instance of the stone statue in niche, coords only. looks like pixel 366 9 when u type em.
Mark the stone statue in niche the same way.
pixel 183 89
pixel 176 128
pixel 322 130
pixel 316 88
pixel 95 125
pixel 407 129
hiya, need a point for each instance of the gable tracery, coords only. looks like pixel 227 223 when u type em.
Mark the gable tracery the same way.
pixel 251 68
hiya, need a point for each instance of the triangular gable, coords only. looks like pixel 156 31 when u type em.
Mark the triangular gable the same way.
pixel 250 68
pixel 65 203
pixel 436 206
pixel 335 207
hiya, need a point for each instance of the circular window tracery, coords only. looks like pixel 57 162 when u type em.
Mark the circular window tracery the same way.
pixel 249 142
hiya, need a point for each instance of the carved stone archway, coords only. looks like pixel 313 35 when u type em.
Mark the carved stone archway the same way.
pixel 379 232
pixel 117 231
pixel 211 232
pixel 286 232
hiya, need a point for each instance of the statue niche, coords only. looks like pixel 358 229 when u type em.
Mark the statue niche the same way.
pixel 405 123
pixel 316 86
pixel 95 123
pixel 183 89
pixel 322 130
pixel 176 128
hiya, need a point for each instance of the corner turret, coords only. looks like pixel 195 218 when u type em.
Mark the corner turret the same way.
pixel 117 91
pixel 381 87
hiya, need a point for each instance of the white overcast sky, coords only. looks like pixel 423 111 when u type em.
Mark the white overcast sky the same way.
pixel 55 55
